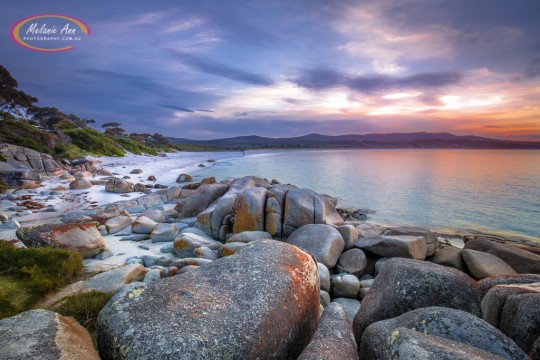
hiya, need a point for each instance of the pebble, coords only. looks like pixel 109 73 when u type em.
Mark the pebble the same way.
pixel 144 247
pixel 152 275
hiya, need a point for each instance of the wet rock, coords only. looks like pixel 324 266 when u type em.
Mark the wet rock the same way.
pixel 443 323
pixel 136 171
pixel 413 247
pixel 405 284
pixel 83 238
pixel 44 335
pixel 352 261
pixel 333 339
pixel 481 264
pixel 323 241
pixel 242 306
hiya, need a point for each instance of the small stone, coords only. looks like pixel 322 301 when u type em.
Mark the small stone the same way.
pixel 136 171
pixel 144 247
pixel 152 275
pixel 345 285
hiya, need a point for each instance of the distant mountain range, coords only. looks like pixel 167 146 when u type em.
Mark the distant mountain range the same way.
pixel 420 140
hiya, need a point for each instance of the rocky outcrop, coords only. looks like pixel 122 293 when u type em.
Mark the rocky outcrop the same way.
pixel 404 285
pixel 323 241
pixel 495 299
pixel 20 157
pixel 202 198
pixel 487 283
pixel 440 322
pixel 259 303
pixel 83 238
pixel 18 177
pixel 45 335
pixel 520 319
pixel 333 339
pixel 250 210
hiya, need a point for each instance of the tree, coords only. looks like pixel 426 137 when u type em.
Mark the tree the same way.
pixel 12 100
pixel 90 122
pixel 160 140
pixel 47 117
pixel 113 128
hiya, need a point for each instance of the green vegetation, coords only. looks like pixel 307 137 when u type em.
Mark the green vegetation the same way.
pixel 135 147
pixel 94 142
pixel 21 134
pixel 84 307
pixel 69 151
pixel 28 274
pixel 7 308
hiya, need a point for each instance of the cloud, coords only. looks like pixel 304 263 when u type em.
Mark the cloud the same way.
pixel 533 69
pixel 208 66
pixel 178 108
pixel 323 79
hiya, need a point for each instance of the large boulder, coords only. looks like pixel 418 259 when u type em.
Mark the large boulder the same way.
pixel 413 247
pixel 441 322
pixel 404 285
pixel 304 206
pixel 405 344
pixel 262 302
pixel 249 236
pixel 44 335
pixel 250 210
pixel 202 198
pixel 522 261
pixel 185 244
pixel 83 238
pixel 430 237
pixel 323 241
pixel 349 234
pixel 493 302
pixel 481 264
pixel 333 339
pixel 221 214
pixel 164 233
pixel 118 186
pixel 520 319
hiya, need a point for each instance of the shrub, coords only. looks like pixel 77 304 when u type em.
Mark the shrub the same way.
pixel 135 147
pixel 69 151
pixel 7 308
pixel 43 269
pixel 94 142
pixel 84 307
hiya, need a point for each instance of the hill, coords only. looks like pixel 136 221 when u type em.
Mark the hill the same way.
pixel 419 140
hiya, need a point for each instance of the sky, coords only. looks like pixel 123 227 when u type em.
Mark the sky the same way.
pixel 210 69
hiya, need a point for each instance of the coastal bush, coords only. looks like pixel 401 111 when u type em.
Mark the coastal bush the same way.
pixel 84 307
pixel 135 147
pixel 21 134
pixel 41 269
pixel 94 142
pixel 69 151
pixel 7 308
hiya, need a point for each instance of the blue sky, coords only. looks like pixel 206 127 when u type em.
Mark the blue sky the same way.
pixel 209 69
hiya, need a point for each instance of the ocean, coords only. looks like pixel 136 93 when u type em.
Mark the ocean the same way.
pixel 484 190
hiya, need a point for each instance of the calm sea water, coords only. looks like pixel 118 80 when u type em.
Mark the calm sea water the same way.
pixel 461 189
